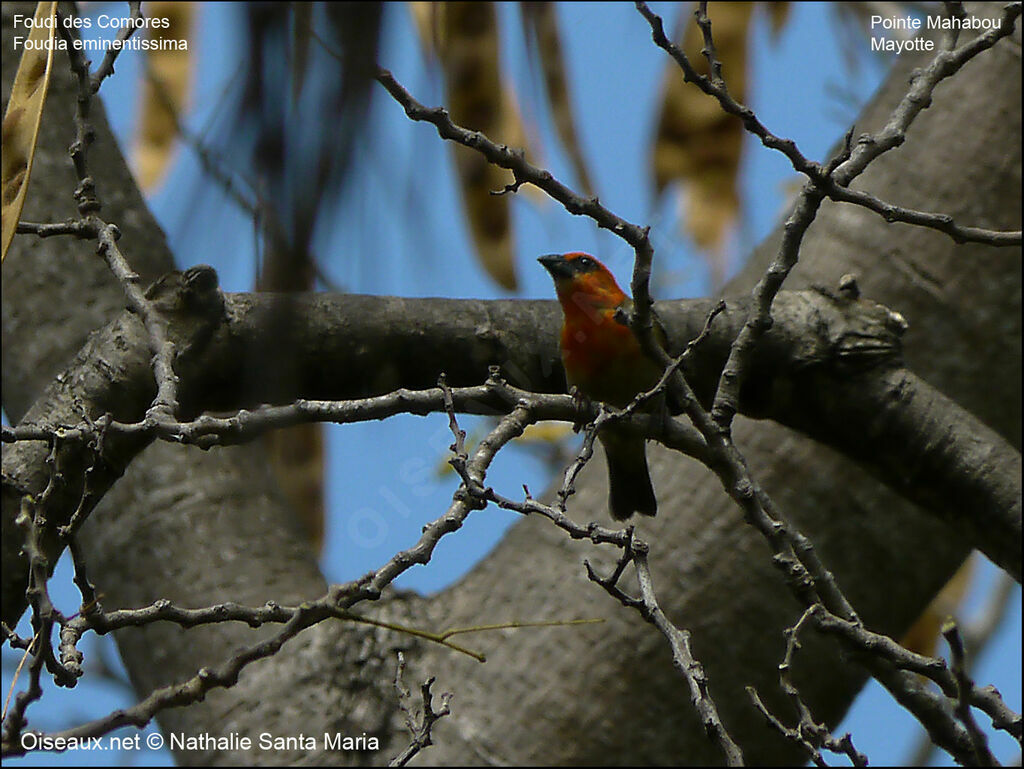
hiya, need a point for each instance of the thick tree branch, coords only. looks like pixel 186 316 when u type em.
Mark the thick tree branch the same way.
pixel 829 367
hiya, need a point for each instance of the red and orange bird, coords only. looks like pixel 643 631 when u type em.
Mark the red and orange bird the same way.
pixel 603 359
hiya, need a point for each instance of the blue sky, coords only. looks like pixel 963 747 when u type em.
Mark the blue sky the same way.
pixel 371 248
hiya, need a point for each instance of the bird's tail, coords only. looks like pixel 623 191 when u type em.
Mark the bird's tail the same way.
pixel 629 481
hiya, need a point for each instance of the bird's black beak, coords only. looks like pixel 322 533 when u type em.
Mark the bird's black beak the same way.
pixel 557 265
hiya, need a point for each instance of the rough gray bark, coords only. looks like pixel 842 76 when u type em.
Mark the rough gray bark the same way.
pixel 830 366
pixel 198 529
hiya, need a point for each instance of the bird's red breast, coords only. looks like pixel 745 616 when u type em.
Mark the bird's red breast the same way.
pixel 600 354
pixel 604 360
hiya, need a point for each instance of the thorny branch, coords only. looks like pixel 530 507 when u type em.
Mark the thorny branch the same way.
pixel 813 585
pixel 418 720
pixel 809 734
pixel 106 68
pixel 962 707
pixel 528 407
pixel 835 187
pixel 487 399
pixel 634 551
pixel 977 636
pixel 91 226
pixel 840 171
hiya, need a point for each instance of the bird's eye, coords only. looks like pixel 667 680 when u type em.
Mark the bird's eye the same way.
pixel 585 261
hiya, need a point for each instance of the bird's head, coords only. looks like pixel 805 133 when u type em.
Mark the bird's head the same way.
pixel 579 275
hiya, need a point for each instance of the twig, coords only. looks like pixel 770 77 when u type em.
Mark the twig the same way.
pixel 809 734
pixel 964 686
pixel 418 720
pixel 106 68
pixel 835 187
pixel 473 494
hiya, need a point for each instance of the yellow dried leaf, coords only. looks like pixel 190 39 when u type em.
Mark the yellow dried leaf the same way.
pixel 541 18
pixel 546 432
pixel 426 17
pixel 711 202
pixel 22 118
pixel 778 15
pixel 513 133
pixel 923 636
pixel 165 92
pixel 698 144
pixel 469 56
pixel 488 215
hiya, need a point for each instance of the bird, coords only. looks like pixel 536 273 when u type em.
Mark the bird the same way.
pixel 603 360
